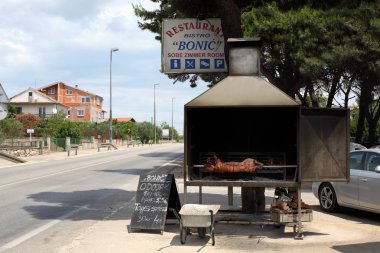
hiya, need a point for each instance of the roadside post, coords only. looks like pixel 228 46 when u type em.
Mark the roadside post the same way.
pixel 30 131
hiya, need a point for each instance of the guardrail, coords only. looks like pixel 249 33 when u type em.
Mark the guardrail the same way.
pixel 11 158
pixel 133 143
pixel 72 147
pixel 106 145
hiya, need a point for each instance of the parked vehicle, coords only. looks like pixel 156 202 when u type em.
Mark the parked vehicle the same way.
pixel 361 192
pixel 376 146
pixel 356 146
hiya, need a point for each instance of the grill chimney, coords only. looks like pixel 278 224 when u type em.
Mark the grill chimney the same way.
pixel 244 56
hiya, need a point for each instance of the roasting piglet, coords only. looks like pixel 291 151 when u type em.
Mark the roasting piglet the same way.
pixel 249 165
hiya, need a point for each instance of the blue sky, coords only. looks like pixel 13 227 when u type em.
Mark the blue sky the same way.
pixel 45 41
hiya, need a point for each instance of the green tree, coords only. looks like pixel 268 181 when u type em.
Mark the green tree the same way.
pixel 365 24
pixel 10 128
pixel 299 37
pixel 50 126
pixel 11 111
pixel 69 129
pixel 102 130
pixel 87 129
pixel 59 127
pixel 126 130
pixel 145 131
pixel 332 45
pixel 373 116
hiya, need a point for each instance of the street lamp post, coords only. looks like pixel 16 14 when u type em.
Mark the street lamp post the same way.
pixel 110 126
pixel 172 120
pixel 155 112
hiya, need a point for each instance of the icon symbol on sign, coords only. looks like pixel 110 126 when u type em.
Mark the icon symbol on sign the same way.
pixel 219 63
pixel 205 63
pixel 175 63
pixel 190 63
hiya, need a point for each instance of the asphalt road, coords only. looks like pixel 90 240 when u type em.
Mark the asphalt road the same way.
pixel 46 205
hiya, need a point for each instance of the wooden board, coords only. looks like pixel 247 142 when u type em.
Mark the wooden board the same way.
pixel 155 194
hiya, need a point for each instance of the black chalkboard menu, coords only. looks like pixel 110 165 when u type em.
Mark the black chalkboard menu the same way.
pixel 155 194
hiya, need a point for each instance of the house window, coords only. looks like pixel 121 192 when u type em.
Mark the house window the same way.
pixel 41 112
pixel 80 112
pixel 98 100
pixel 51 91
pixel 69 92
pixel 85 99
pixel 30 94
pixel 18 110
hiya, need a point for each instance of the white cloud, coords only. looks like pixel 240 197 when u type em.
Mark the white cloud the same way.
pixel 14 52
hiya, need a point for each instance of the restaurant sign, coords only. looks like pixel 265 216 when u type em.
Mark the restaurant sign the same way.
pixel 192 46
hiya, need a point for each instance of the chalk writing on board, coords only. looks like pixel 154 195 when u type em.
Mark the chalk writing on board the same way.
pixel 155 178
pixel 153 197
pixel 153 187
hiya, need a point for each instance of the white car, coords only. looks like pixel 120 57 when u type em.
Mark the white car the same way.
pixel 356 146
pixel 361 192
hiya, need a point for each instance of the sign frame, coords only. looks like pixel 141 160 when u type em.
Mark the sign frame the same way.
pixel 191 46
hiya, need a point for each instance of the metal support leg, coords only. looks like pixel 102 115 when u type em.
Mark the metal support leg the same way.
pixel 230 196
pixel 299 235
pixel 200 194
pixel 212 230
pixel 185 173
pixel 185 193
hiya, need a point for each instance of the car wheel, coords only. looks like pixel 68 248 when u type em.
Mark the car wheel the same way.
pixel 327 198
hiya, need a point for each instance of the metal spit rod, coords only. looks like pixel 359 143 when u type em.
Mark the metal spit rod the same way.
pixel 265 166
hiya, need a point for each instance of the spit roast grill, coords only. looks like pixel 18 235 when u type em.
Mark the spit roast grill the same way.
pixel 245 116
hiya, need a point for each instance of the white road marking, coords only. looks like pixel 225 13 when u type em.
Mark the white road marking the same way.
pixel 170 163
pixel 36 231
pixel 52 174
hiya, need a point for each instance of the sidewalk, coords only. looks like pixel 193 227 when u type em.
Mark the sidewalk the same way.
pixel 326 234
pixel 59 155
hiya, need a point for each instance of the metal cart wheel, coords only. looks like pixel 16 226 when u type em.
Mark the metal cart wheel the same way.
pixel 183 234
pixel 202 232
